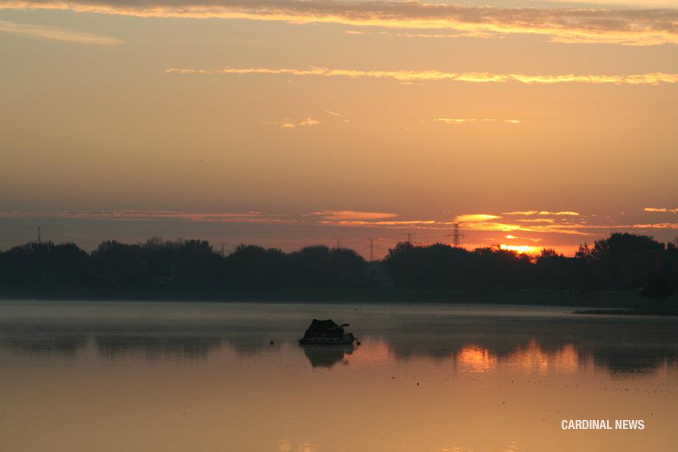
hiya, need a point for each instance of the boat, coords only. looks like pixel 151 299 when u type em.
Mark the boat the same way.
pixel 327 332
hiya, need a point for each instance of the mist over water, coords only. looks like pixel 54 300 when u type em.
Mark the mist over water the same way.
pixel 135 376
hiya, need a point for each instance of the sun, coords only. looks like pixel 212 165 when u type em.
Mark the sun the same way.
pixel 521 249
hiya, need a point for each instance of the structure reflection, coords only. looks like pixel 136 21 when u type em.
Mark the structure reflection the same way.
pixel 326 355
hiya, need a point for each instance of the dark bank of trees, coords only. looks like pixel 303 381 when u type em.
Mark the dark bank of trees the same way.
pixel 180 262
pixel 619 262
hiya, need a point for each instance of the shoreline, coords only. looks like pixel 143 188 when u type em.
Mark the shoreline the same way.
pixel 637 312
pixel 623 302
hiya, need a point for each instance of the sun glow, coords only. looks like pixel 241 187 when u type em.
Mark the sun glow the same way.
pixel 521 249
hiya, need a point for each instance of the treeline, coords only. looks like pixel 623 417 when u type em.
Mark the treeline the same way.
pixel 619 262
pixel 180 262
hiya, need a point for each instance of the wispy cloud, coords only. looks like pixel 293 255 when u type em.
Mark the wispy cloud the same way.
pixel 655 226
pixel 654 78
pixel 447 35
pixel 513 237
pixel 353 215
pixel 333 113
pixel 543 212
pixel 389 224
pixel 309 122
pixel 464 121
pixel 660 209
pixel 151 215
pixel 454 121
pixel 475 218
pixel 565 25
pixel 43 32
pixel 287 124
pixel 617 3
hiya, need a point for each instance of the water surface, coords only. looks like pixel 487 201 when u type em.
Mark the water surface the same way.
pixel 139 376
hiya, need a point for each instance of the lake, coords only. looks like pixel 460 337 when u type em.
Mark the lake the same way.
pixel 152 376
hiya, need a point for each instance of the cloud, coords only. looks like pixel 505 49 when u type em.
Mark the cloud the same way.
pixel 463 121
pixel 151 215
pixel 654 78
pixel 448 35
pixel 388 224
pixel 660 209
pixel 543 212
pixel 564 25
pixel 454 121
pixel 655 226
pixel 536 220
pixel 309 122
pixel 287 124
pixel 43 32
pixel 474 218
pixel 513 237
pixel 353 215
pixel 634 3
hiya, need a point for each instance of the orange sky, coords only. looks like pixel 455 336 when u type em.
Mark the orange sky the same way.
pixel 289 123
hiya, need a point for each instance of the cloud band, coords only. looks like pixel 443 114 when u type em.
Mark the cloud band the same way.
pixel 566 25
pixel 654 78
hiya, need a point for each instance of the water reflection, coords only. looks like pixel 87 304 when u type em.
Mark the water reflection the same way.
pixel 473 343
pixel 531 357
pixel 476 359
pixel 326 355
pixel 34 340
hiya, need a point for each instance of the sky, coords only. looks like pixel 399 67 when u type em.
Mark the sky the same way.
pixel 532 124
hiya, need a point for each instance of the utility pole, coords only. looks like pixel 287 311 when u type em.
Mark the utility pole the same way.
pixel 223 248
pixel 371 249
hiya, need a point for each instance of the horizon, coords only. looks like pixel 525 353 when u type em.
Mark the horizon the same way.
pixel 526 232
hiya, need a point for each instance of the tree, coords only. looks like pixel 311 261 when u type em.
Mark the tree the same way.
pixel 657 289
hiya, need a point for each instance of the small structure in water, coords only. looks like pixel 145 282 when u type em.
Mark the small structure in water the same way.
pixel 326 332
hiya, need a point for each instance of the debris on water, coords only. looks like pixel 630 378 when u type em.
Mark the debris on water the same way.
pixel 271 342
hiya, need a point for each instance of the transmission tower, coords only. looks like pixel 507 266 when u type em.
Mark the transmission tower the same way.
pixel 39 234
pixel 456 236
pixel 409 236
pixel 371 249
